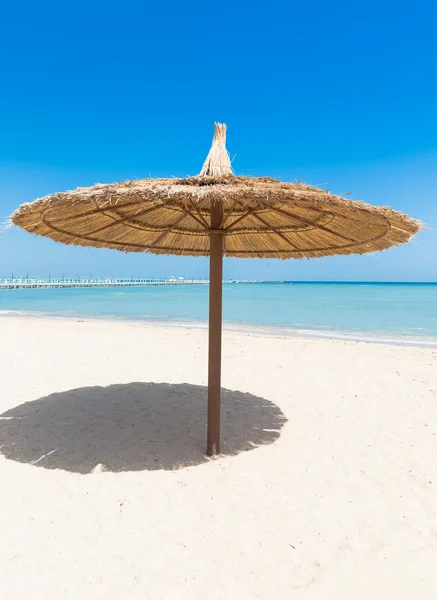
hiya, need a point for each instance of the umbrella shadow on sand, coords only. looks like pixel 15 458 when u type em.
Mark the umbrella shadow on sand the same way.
pixel 132 427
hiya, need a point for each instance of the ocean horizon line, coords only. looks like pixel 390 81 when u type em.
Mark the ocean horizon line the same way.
pixel 55 278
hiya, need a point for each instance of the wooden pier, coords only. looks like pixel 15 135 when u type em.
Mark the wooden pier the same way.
pixel 52 282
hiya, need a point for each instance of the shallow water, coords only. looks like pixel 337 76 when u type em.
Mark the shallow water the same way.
pixel 381 311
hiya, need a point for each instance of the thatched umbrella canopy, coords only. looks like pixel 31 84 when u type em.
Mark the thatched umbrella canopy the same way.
pixel 216 214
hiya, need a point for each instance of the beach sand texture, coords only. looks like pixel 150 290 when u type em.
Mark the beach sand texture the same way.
pixel 327 487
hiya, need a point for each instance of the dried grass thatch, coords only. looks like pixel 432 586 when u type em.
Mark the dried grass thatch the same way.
pixel 260 217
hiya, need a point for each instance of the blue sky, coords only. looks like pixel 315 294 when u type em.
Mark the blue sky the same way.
pixel 338 94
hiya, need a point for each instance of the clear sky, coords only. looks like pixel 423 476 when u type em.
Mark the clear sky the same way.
pixel 337 93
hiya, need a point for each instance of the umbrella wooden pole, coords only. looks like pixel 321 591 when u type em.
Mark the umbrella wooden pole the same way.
pixel 215 342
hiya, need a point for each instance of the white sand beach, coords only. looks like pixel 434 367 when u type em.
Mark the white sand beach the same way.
pixel 327 487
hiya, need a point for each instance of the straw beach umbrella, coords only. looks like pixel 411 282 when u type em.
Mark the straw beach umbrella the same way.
pixel 216 214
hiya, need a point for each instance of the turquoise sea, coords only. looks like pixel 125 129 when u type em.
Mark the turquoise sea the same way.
pixel 398 312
